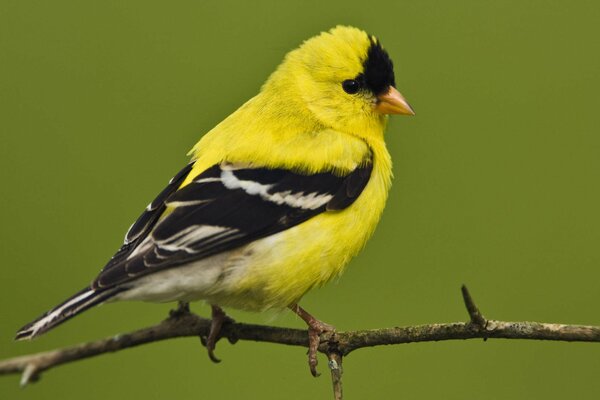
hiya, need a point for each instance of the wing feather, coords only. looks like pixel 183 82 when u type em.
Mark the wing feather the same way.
pixel 225 207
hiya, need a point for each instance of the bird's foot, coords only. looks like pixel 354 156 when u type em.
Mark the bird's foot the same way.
pixel 315 329
pixel 218 319
pixel 183 308
pixel 314 340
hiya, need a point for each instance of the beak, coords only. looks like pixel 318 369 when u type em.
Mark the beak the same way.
pixel 392 102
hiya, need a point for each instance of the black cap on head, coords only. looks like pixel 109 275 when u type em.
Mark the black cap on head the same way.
pixel 379 69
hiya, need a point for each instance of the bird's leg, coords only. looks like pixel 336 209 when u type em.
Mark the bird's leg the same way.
pixel 183 308
pixel 315 329
pixel 218 318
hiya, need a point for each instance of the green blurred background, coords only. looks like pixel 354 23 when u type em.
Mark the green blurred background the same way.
pixel 496 186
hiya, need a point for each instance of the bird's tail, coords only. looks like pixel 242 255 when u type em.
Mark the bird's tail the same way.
pixel 69 308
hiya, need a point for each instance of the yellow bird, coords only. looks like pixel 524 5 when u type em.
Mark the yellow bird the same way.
pixel 277 199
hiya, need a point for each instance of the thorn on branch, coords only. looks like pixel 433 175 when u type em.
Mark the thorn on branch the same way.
pixel 30 375
pixel 477 318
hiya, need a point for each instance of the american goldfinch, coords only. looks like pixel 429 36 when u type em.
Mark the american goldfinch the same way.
pixel 277 199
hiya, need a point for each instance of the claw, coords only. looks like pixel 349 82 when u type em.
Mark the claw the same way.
pixel 211 355
pixel 315 329
pixel 218 318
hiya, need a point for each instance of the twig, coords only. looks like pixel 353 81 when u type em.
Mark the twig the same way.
pixel 335 365
pixel 334 345
pixel 476 317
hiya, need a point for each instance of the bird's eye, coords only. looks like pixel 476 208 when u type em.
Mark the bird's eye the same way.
pixel 351 86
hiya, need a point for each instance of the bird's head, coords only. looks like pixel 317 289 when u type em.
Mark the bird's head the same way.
pixel 344 78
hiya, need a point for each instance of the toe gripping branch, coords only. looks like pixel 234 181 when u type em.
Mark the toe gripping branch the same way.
pixel 219 318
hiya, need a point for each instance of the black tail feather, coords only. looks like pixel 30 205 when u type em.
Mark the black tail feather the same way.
pixel 69 308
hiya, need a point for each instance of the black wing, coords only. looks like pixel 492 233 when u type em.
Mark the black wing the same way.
pixel 144 224
pixel 225 207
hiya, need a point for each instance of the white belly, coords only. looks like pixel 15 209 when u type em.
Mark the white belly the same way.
pixel 184 283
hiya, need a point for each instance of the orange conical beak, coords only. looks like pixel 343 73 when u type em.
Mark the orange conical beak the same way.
pixel 392 102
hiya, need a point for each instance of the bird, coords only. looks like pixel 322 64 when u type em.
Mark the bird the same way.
pixel 276 200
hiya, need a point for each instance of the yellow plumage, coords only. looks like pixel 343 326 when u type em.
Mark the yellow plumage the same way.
pixel 278 197
pixel 294 123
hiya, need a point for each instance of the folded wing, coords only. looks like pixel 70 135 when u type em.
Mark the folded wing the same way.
pixel 225 207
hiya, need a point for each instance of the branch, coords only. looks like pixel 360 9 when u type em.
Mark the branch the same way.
pixel 334 345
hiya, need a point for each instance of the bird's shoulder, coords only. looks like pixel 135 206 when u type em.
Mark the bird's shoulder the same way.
pixel 293 141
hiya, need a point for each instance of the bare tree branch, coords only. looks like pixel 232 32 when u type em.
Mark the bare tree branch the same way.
pixel 335 345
